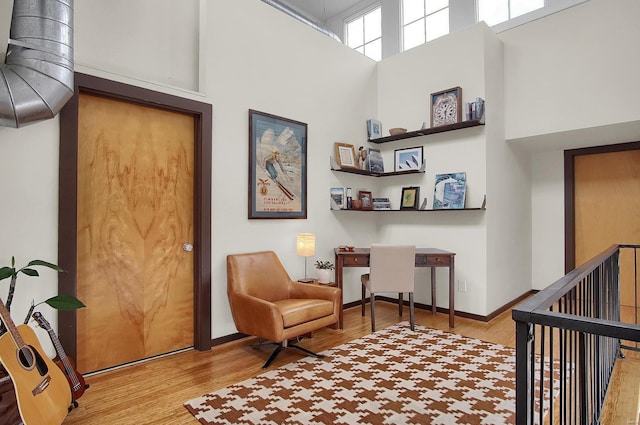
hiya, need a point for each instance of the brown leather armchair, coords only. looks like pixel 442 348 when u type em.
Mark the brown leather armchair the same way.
pixel 266 303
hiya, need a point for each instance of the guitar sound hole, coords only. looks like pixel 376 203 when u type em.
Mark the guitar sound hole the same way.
pixel 29 358
pixel 26 357
pixel 40 363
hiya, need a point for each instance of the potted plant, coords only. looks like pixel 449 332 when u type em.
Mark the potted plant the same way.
pixel 58 302
pixel 323 268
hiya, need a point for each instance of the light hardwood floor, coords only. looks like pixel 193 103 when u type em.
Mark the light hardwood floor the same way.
pixel 153 392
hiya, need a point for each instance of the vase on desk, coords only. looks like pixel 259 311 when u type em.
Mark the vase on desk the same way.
pixel 324 275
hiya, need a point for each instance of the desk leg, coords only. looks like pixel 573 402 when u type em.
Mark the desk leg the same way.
pixel 338 262
pixel 433 290
pixel 452 292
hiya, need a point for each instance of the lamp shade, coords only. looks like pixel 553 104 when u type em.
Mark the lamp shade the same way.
pixel 306 244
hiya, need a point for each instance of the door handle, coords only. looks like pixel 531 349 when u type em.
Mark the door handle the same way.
pixel 187 247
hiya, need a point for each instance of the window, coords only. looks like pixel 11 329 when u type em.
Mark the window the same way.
pixel 495 11
pixel 364 33
pixel 423 20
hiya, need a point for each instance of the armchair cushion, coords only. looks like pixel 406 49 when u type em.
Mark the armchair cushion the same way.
pixel 297 311
pixel 266 303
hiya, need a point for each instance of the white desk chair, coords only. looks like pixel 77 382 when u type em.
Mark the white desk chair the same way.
pixel 391 269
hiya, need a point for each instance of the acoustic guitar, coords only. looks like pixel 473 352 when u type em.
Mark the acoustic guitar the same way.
pixel 42 392
pixel 65 363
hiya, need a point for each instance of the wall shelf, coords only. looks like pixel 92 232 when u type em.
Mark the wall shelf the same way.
pixel 427 131
pixel 408 210
pixel 408 135
pixel 370 174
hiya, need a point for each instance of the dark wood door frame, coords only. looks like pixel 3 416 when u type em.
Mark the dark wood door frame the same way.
pixel 67 197
pixel 569 195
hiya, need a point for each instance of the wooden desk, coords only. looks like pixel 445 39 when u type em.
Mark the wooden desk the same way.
pixel 425 257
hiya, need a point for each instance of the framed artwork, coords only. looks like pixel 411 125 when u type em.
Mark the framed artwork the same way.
pixel 446 107
pixel 449 191
pixel 408 159
pixel 366 199
pixel 346 155
pixel 374 129
pixel 277 167
pixel 410 198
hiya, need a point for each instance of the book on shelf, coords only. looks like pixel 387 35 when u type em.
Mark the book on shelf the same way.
pixel 381 204
pixel 475 110
pixel 376 163
pixel 337 198
pixel 449 191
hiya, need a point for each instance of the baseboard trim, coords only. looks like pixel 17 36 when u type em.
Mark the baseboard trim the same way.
pixel 236 336
pixel 228 338
pixel 458 313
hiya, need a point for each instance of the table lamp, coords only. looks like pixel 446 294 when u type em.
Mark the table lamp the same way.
pixel 306 247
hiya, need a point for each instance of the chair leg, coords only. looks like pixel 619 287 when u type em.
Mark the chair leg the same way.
pixel 309 352
pixel 411 317
pixel 288 344
pixel 400 301
pixel 373 312
pixel 362 303
pixel 274 354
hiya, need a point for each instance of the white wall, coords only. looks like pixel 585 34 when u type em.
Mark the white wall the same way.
pixel 573 70
pixel 278 65
pixel 405 84
pixel 119 40
pixel 29 213
pixel 258 58
pixel 547 211
pixel 273 64
pixel 570 81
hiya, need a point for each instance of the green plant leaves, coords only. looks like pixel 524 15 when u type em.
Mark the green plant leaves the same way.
pixel 30 272
pixel 6 272
pixel 45 264
pixel 324 265
pixel 65 302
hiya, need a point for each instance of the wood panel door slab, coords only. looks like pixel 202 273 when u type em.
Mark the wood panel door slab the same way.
pixel 135 212
pixel 606 207
pixel 135 185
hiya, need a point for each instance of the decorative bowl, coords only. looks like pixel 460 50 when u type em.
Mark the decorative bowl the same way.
pixel 397 130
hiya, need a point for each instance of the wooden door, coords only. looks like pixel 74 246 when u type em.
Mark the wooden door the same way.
pixel 607 209
pixel 134 213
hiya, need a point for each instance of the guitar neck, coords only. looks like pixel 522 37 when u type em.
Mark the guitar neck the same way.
pixel 57 345
pixel 11 327
pixel 62 355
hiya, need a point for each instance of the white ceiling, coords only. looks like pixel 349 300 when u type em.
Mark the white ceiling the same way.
pixel 321 10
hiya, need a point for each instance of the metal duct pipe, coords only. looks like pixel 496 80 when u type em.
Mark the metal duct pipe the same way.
pixel 286 9
pixel 37 78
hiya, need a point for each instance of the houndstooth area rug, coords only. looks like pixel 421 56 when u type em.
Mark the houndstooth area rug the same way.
pixel 393 376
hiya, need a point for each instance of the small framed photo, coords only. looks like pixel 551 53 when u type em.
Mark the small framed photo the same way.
pixel 410 198
pixel 338 200
pixel 374 129
pixel 446 107
pixel 408 159
pixel 366 199
pixel 346 155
